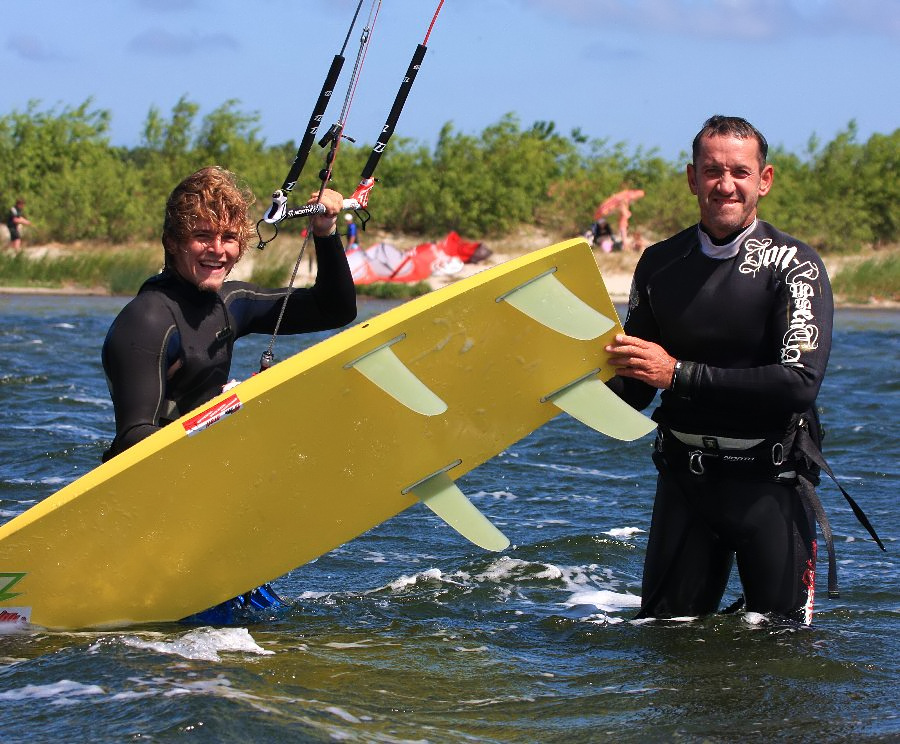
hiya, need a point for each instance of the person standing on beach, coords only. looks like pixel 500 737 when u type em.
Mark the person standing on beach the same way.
pixel 351 233
pixel 14 220
pixel 170 348
pixel 731 319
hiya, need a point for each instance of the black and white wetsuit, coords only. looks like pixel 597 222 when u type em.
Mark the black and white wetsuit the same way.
pixel 751 321
pixel 170 348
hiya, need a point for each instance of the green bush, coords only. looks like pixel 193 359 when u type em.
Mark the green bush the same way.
pixel 393 290
pixel 840 196
pixel 876 278
pixel 121 272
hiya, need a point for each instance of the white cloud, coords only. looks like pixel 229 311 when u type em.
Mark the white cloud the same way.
pixel 759 20
pixel 160 42
pixel 167 6
pixel 31 48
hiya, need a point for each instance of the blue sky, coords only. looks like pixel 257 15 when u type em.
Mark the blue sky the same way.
pixel 643 72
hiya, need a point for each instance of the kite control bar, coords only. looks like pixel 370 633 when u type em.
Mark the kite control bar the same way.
pixel 279 210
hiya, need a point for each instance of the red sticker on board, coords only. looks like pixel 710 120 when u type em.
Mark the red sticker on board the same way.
pixel 211 415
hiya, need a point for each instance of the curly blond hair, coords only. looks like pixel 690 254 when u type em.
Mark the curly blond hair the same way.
pixel 211 195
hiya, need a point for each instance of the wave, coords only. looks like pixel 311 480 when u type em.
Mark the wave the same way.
pixel 202 643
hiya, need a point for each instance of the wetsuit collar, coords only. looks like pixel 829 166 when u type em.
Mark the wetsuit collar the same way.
pixel 170 274
pixel 728 249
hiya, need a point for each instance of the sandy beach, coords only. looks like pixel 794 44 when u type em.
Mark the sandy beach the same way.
pixel 617 268
pixel 618 282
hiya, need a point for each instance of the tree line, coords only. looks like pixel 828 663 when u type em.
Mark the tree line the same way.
pixel 838 196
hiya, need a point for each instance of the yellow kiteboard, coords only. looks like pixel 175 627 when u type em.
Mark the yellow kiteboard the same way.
pixel 322 447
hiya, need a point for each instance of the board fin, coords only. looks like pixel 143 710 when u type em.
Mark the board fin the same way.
pixel 591 402
pixel 440 494
pixel 382 367
pixel 551 303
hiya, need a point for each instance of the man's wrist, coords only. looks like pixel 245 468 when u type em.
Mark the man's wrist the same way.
pixel 682 379
pixel 675 370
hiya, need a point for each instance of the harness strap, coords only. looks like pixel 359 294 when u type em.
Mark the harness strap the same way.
pixel 753 458
pixel 811 500
pixel 808 447
pixel 717 442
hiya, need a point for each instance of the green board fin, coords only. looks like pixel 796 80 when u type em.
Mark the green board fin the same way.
pixel 548 301
pixel 440 494
pixel 384 369
pixel 595 405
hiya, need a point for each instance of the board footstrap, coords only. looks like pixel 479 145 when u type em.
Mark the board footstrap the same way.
pixel 440 494
pixel 548 301
pixel 591 402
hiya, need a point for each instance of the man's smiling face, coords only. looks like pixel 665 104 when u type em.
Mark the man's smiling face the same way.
pixel 728 179
pixel 207 256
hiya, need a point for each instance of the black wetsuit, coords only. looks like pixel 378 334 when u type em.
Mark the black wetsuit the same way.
pixel 754 333
pixel 12 225
pixel 170 348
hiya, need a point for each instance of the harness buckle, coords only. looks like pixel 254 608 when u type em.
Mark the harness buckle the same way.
pixel 659 442
pixel 778 453
pixel 695 462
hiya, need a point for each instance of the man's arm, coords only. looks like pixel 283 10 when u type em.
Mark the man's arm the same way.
pixel 135 359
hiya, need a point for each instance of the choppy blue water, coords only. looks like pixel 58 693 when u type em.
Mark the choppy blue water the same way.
pixel 411 634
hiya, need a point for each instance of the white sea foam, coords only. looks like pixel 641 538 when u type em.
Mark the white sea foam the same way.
pixel 504 700
pixel 313 595
pixel 219 686
pixel 100 402
pixel 364 643
pixel 80 432
pixel 496 495
pixel 63 692
pixel 506 568
pixel 579 470
pixel 623 532
pixel 342 714
pixel 77 432
pixel 604 600
pixel 203 643
pixel 431 574
pixel 47 481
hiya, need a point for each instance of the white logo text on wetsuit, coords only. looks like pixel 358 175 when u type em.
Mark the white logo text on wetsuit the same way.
pixel 802 334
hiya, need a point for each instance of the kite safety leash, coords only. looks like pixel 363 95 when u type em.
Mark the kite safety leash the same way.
pixel 279 210
pixel 360 200
pixel 367 180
